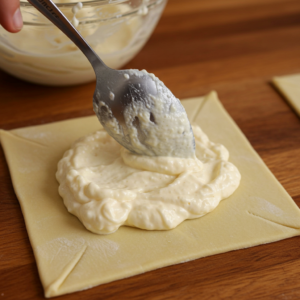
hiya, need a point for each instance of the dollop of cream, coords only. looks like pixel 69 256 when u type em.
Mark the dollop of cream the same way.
pixel 107 186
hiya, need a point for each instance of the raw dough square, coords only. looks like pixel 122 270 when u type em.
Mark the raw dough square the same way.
pixel 289 86
pixel 70 258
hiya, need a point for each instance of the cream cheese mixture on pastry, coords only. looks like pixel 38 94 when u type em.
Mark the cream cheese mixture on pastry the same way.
pixel 106 186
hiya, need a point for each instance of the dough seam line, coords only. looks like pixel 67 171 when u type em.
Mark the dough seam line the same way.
pixel 206 98
pixel 23 139
pixel 69 268
pixel 284 225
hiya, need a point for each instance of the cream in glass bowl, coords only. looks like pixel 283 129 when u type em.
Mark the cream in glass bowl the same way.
pixel 41 53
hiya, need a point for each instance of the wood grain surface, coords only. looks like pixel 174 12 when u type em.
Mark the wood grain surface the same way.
pixel 233 47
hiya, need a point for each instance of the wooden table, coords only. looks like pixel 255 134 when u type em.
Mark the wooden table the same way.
pixel 233 47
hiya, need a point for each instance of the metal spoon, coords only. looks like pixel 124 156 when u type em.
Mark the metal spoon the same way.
pixel 134 107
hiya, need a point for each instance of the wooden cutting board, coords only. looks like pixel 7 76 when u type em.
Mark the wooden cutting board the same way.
pixel 233 47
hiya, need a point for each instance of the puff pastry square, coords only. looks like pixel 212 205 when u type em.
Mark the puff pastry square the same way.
pixel 70 258
pixel 289 86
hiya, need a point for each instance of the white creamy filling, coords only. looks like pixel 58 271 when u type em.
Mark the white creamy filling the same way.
pixel 106 186
pixel 75 9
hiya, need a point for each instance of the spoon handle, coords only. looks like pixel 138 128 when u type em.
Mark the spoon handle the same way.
pixel 51 12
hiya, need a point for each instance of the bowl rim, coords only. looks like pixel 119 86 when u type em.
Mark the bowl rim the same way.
pixel 150 4
pixel 24 3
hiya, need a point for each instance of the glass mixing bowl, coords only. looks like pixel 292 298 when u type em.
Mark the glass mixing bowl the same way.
pixel 41 53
